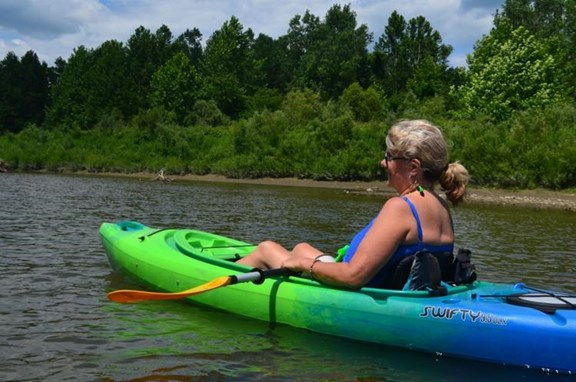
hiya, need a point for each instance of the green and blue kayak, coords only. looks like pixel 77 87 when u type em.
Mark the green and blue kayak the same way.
pixel 510 324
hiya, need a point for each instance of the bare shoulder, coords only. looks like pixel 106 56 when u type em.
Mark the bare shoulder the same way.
pixel 395 203
pixel 392 223
pixel 394 206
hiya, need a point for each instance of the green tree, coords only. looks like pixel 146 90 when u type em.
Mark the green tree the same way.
pixel 55 72
pixel 333 52
pixel 274 63
pixel 390 56
pixel 10 93
pixel 176 86
pixel 553 22
pixel 24 91
pixel 509 72
pixel 297 42
pixel 365 104
pixel 190 43
pixel 543 18
pixel 146 53
pixel 34 81
pixel 70 95
pixel 229 69
pixel 108 79
pixel 410 56
pixel 93 84
pixel 570 42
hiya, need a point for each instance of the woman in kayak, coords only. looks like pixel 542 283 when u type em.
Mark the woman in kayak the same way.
pixel 416 160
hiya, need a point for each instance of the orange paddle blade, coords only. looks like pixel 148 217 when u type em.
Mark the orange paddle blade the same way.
pixel 130 296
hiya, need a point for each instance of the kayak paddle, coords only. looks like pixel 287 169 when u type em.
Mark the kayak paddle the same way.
pixel 257 276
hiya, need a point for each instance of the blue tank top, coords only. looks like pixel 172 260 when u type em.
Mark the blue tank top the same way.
pixel 402 251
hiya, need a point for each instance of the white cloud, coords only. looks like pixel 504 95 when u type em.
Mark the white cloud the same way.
pixel 19 42
pixel 55 28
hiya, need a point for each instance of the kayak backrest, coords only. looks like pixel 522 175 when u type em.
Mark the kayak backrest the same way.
pixel 425 270
pixel 438 266
pixel 464 270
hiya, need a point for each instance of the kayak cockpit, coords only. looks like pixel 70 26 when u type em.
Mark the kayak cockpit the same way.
pixel 210 246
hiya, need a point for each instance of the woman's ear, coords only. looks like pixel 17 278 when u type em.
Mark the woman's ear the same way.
pixel 415 168
pixel 415 164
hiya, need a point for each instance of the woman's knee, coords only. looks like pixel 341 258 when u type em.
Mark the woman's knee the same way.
pixel 305 249
pixel 268 246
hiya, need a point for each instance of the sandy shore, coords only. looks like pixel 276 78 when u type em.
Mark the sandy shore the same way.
pixel 542 199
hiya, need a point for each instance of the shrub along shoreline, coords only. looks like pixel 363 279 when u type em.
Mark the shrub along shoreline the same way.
pixel 532 150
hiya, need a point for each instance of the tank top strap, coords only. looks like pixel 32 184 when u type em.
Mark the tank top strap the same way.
pixel 416 217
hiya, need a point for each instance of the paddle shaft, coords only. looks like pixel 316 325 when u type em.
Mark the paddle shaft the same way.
pixel 257 276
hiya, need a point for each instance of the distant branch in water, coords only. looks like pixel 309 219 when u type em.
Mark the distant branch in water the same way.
pixel 161 177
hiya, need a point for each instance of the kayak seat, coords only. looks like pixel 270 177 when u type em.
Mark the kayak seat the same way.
pixel 426 271
pixel 195 244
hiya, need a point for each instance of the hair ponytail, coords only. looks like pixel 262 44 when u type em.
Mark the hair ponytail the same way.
pixel 453 182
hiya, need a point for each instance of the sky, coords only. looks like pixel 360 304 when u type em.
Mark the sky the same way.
pixel 53 28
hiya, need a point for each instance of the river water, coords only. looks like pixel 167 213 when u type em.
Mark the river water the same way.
pixel 57 325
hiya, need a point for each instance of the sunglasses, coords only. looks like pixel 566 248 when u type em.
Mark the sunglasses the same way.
pixel 388 157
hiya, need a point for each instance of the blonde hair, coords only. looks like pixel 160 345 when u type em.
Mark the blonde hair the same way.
pixel 420 139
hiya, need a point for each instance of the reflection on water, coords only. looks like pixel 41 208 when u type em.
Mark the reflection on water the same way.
pixel 58 325
pixel 537 247
pixel 203 343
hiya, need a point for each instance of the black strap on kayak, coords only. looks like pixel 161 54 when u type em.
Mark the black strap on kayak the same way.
pixel 549 307
pixel 265 273
pixel 529 300
pixel 474 295
pixel 142 238
pixel 573 306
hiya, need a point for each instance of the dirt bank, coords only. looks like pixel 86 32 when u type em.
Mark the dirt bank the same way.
pixel 526 198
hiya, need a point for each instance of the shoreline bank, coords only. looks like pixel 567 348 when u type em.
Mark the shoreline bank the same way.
pixel 541 199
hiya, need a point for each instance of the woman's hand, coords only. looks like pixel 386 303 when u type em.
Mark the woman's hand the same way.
pixel 297 262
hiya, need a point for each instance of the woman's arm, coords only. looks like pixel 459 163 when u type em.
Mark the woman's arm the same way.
pixel 388 231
